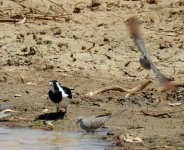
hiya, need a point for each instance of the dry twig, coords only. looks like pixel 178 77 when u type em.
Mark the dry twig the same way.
pixel 58 6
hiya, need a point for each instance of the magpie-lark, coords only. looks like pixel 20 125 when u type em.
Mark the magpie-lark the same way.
pixel 60 95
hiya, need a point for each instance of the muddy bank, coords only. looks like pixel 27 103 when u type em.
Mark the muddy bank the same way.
pixel 93 49
pixel 157 130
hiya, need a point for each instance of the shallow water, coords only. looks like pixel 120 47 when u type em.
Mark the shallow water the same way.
pixel 28 139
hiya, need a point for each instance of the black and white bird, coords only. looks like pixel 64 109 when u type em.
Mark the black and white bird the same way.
pixel 60 95
pixel 91 124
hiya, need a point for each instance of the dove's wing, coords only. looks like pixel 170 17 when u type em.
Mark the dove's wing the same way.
pixel 161 77
pixel 99 121
pixel 136 36
pixel 140 44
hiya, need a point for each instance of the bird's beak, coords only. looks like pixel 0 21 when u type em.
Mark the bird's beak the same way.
pixel 50 83
pixel 77 121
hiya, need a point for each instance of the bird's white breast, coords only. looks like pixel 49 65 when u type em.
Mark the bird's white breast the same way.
pixel 64 103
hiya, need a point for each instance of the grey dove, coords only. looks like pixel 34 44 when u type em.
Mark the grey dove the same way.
pixel 144 59
pixel 93 123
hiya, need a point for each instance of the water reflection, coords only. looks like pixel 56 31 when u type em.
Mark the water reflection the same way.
pixel 27 139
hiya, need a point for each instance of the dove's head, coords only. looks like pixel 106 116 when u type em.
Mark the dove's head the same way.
pixel 79 119
pixel 145 62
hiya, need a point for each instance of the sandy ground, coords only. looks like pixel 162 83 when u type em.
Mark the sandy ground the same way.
pixel 90 51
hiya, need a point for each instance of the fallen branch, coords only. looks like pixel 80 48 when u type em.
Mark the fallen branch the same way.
pixel 120 89
pixel 156 114
pixel 171 85
pixel 9 20
pixel 162 114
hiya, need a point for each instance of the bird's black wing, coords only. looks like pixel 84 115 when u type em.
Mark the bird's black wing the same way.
pixel 67 91
pixel 55 97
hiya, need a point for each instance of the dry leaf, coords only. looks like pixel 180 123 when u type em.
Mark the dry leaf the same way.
pixel 174 104
pixel 6 111
pixel 31 83
pixel 22 21
pixel 45 110
pixel 17 95
pixel 127 95
pixel 132 139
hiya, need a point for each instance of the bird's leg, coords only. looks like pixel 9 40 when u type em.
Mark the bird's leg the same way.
pixel 57 107
pixel 67 109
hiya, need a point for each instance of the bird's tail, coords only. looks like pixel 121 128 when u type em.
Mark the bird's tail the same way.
pixel 73 92
pixel 104 118
pixel 108 115
pixel 118 112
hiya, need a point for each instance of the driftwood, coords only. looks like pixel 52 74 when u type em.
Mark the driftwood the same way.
pixel 120 89
pixel 162 114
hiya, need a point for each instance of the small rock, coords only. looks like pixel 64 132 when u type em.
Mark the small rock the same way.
pixel 45 110
pixel 95 3
pixel 47 42
pixel 43 33
pixel 32 51
pixel 48 124
pixel 57 32
pixel 79 7
pixel 76 10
